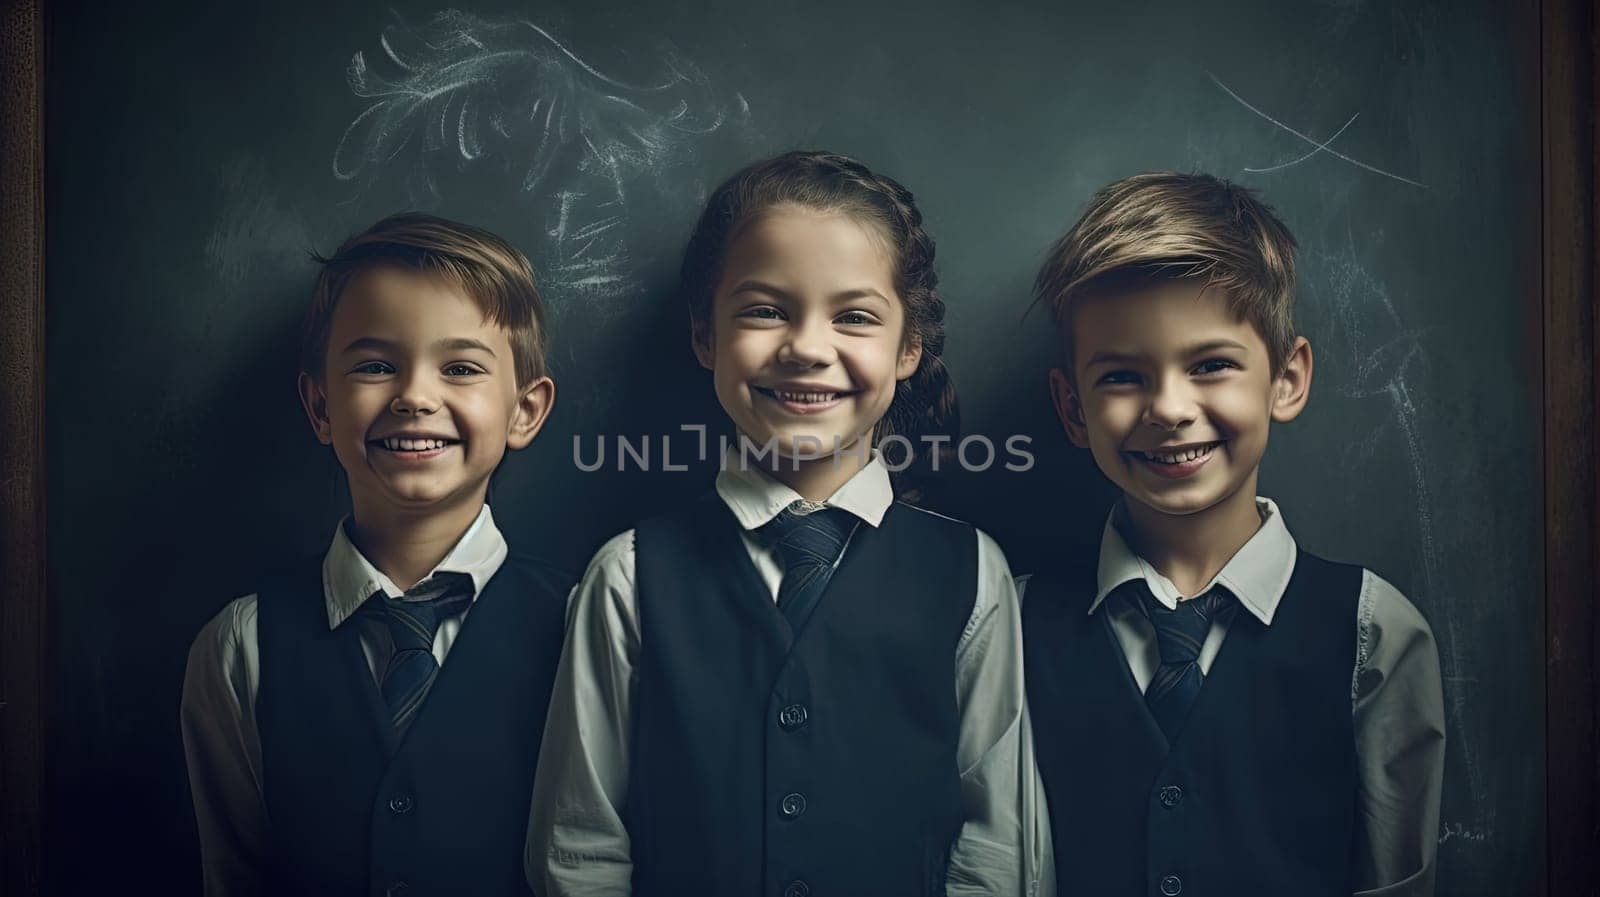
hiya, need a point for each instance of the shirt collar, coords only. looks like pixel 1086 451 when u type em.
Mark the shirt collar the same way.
pixel 755 497
pixel 349 579
pixel 1257 574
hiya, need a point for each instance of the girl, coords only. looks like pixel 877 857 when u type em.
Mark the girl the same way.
pixel 756 691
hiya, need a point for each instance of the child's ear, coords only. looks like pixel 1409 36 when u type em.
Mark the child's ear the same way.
pixel 1069 407
pixel 700 340
pixel 533 407
pixel 1292 388
pixel 315 401
pixel 910 357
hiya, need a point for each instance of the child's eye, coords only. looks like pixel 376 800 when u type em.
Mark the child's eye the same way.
pixel 1117 378
pixel 763 313
pixel 462 369
pixel 855 318
pixel 1214 365
pixel 373 368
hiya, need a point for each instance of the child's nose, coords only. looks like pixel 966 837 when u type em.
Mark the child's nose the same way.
pixel 414 398
pixel 809 345
pixel 1172 406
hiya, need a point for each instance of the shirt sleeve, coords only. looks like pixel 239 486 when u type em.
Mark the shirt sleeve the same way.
pixel 1038 854
pixel 987 856
pixel 1399 727
pixel 577 843
pixel 222 749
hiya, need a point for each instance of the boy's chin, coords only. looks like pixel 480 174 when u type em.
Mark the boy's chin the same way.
pixel 1180 502
pixel 414 497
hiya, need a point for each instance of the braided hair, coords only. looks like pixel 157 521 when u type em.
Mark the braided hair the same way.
pixel 924 404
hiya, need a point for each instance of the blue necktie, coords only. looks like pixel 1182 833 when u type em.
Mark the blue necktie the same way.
pixel 809 545
pixel 413 620
pixel 1180 633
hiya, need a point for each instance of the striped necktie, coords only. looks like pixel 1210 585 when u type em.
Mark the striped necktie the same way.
pixel 413 620
pixel 1180 633
pixel 810 545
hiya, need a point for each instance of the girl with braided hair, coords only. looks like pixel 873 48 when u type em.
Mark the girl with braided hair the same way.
pixel 796 685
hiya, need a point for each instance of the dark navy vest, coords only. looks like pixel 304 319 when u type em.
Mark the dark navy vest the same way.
pixel 1257 795
pixel 445 811
pixel 821 762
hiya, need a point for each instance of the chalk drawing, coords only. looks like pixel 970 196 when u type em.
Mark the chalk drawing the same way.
pixel 1387 358
pixel 1317 146
pixel 575 145
pixel 1456 831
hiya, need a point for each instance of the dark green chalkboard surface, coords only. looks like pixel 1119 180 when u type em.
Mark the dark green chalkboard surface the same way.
pixel 197 152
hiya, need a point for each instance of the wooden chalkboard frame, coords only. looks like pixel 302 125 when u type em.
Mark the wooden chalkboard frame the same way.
pixel 22 457
pixel 1570 134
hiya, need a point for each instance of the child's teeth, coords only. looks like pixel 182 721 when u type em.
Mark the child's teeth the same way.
pixel 413 445
pixel 806 397
pixel 1179 457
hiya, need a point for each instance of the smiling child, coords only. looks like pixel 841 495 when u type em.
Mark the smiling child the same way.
pixel 796 684
pixel 331 749
pixel 1214 710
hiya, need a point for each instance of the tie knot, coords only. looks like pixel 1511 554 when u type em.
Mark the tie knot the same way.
pixel 804 536
pixel 414 616
pixel 1182 630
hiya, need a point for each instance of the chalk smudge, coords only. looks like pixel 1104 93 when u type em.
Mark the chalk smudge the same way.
pixel 576 145
pixel 1387 358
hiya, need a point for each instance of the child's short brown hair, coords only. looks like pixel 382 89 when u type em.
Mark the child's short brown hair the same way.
pixel 491 272
pixel 1163 225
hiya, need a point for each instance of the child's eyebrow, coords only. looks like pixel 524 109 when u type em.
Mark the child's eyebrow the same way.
pixel 1196 349
pixel 462 344
pixel 761 286
pixel 1113 358
pixel 859 293
pixel 1215 344
pixel 370 342
pixel 450 344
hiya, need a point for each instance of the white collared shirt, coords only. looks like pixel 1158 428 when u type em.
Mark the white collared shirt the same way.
pixel 221 743
pixel 1397 702
pixel 577 841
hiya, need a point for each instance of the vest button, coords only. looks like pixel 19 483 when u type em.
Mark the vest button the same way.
pixel 1172 886
pixel 797 889
pixel 792 717
pixel 1171 796
pixel 793 805
pixel 400 803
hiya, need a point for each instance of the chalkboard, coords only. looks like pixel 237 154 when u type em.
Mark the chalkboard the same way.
pixel 198 152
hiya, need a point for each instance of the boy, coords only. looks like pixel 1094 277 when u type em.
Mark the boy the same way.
pixel 1310 761
pixel 330 748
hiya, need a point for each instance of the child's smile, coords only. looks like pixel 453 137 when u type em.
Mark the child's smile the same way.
pixel 1177 461
pixel 805 336
pixel 804 398
pixel 413 445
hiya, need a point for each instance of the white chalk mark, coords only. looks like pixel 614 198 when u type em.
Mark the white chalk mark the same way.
pixel 1322 147
pixel 467 132
pixel 596 72
pixel 598 227
pixel 1388 371
pixel 1317 149
pixel 388 49
pixel 465 90
pixel 566 200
